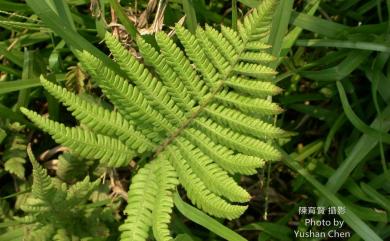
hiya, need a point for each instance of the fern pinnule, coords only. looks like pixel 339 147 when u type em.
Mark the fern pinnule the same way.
pixel 233 38
pixel 99 119
pixel 167 181
pixel 129 100
pixel 179 92
pixel 257 71
pixel 211 174
pixel 216 58
pixel 150 202
pixel 242 123
pixel 181 65
pixel 257 25
pixel 248 105
pixel 254 88
pixel 198 192
pixel 257 57
pixel 224 47
pixel 42 186
pixel 236 141
pixel 142 196
pixel 153 90
pixel 257 46
pixel 222 155
pixel 107 150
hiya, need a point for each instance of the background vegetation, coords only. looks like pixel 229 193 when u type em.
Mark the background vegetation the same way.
pixel 334 71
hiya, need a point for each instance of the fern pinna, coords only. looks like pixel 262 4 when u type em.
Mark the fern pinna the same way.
pixel 199 114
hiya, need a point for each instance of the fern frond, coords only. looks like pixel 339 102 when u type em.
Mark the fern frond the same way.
pixel 167 181
pixel 198 192
pixel 223 45
pixel 245 124
pixel 83 142
pixel 254 70
pixel 214 178
pixel 248 104
pixel 195 53
pixel 201 113
pixel 254 88
pixel 223 156
pixel 242 143
pixel 99 119
pixel 153 90
pixel 142 196
pixel 179 92
pixel 42 187
pixel 211 51
pixel 130 102
pixel 80 191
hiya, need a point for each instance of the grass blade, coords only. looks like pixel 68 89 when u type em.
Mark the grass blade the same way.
pixel 189 10
pixel 63 12
pixel 355 120
pixel 364 145
pixel 279 26
pixel 353 60
pixel 10 86
pixel 292 36
pixel 381 47
pixel 375 195
pixel 206 221
pixel 277 231
pixel 71 37
pixel 318 25
pixel 361 228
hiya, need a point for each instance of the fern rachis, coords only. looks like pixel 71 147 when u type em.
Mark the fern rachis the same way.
pixel 201 117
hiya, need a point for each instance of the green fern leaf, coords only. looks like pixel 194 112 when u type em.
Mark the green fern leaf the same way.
pixel 222 155
pixel 167 181
pixel 99 119
pixel 201 112
pixel 83 142
pixel 179 92
pixel 240 122
pixel 150 202
pixel 42 187
pixel 213 176
pixel 197 191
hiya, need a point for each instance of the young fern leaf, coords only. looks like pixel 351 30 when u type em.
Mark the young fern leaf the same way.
pixel 54 207
pixel 42 187
pixel 201 117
